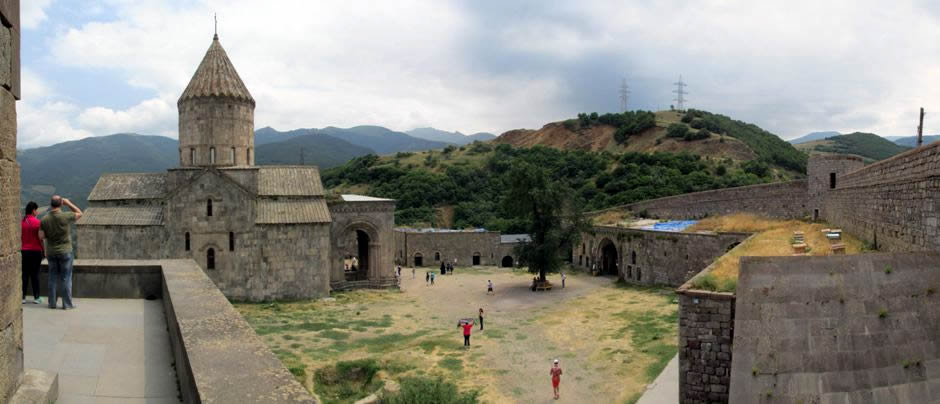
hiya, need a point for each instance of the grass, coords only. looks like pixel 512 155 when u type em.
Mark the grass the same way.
pixel 347 381
pixel 773 238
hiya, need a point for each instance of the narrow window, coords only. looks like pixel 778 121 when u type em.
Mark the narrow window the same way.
pixel 192 156
pixel 212 155
pixel 209 207
pixel 187 241
pixel 233 156
pixel 231 241
pixel 633 258
pixel 210 259
pixel 247 157
pixel 832 180
pixel 437 256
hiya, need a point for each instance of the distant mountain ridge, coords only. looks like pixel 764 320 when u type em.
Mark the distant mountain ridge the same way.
pixel 380 139
pixel 867 145
pixel 813 136
pixel 306 146
pixel 911 141
pixel 456 138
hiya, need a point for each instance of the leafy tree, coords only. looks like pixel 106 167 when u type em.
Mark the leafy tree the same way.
pixel 550 213
pixel 677 130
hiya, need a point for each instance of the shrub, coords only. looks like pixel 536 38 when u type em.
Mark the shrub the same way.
pixel 677 130
pixel 571 124
pixel 427 390
pixel 347 380
pixel 697 124
pixel 686 118
pixel 721 170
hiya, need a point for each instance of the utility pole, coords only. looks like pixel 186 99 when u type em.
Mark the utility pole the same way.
pixel 920 128
pixel 624 93
pixel 680 94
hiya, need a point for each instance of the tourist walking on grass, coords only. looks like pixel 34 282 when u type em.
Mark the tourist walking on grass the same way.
pixel 481 319
pixel 31 249
pixel 412 272
pixel 55 228
pixel 563 277
pixel 432 278
pixel 556 377
pixel 489 287
pixel 427 278
pixel 467 327
pixel 443 268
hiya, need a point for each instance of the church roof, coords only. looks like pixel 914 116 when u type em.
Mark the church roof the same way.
pixel 216 77
pixel 289 181
pixel 363 198
pixel 123 216
pixel 129 186
pixel 292 211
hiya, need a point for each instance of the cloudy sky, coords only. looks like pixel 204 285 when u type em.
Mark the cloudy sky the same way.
pixel 94 68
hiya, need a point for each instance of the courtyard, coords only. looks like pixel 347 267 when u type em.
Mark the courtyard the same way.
pixel 612 340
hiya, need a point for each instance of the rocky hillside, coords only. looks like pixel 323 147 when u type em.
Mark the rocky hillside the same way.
pixel 711 136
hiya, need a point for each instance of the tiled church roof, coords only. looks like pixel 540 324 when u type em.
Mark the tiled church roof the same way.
pixel 292 211
pixel 289 181
pixel 123 216
pixel 129 186
pixel 216 77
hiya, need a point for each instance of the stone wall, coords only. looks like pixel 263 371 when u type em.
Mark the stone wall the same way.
pixel 824 171
pixel 784 200
pixel 222 123
pixel 377 220
pixel 449 245
pixel 837 329
pixel 706 329
pixel 125 242
pixel 11 313
pixel 650 257
pixel 894 203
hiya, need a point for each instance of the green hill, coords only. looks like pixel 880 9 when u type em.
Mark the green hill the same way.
pixel 869 146
pixel 310 148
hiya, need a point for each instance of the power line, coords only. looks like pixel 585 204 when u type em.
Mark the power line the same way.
pixel 624 94
pixel 680 94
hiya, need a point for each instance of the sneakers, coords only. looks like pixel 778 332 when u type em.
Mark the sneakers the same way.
pixel 37 300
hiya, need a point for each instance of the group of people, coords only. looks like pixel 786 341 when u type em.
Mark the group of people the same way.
pixel 447 267
pixel 49 238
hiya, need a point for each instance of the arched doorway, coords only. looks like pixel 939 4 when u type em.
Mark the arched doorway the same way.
pixel 357 260
pixel 506 262
pixel 419 260
pixel 608 264
pixel 476 258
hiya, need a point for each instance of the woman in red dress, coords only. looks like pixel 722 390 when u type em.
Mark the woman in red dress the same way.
pixel 556 377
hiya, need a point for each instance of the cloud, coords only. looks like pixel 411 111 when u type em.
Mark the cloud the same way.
pixel 495 66
pixel 33 13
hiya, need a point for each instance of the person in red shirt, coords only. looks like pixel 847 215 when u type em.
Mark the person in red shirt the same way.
pixel 556 377
pixel 31 250
pixel 467 326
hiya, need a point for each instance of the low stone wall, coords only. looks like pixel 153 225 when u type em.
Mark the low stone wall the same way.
pixel 110 280
pixel 837 329
pixel 651 257
pixel 894 203
pixel 784 200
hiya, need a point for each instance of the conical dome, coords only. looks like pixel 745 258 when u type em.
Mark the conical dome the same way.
pixel 216 77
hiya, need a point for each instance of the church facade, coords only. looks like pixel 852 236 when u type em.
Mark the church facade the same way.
pixel 259 232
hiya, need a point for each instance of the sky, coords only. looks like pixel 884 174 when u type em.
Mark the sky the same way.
pixel 93 68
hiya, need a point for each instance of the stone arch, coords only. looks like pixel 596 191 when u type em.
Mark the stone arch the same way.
pixel 418 260
pixel 609 258
pixel 365 241
pixel 506 262
pixel 437 256
pixel 476 259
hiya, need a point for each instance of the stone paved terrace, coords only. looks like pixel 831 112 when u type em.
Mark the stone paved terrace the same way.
pixel 105 351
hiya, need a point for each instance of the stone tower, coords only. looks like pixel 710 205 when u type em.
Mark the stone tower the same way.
pixel 823 172
pixel 216 121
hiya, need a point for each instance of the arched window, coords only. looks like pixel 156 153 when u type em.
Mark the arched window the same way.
pixel 633 258
pixel 437 256
pixel 231 241
pixel 212 155
pixel 210 259
pixel 187 241
pixel 233 156
pixel 209 207
pixel 192 156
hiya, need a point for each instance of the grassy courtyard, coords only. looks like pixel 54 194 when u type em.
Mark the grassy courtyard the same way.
pixel 611 339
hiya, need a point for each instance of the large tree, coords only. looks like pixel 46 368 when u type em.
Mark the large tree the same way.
pixel 551 214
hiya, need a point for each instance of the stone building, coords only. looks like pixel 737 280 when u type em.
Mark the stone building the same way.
pixel 260 233
pixel 429 247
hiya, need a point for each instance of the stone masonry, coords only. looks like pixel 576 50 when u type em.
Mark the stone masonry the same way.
pixel 785 200
pixel 11 313
pixel 436 246
pixel 706 329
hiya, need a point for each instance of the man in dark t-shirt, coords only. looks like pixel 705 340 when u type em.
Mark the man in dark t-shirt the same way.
pixel 56 232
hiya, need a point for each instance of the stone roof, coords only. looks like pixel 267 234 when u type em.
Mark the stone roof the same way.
pixel 129 186
pixel 514 238
pixel 363 198
pixel 292 211
pixel 123 216
pixel 289 181
pixel 216 77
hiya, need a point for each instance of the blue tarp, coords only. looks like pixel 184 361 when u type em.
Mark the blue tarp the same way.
pixel 674 225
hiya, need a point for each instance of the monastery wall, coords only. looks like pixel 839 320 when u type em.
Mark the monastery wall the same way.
pixel 650 257
pixel 785 200
pixel 450 245
pixel 894 203
pixel 11 312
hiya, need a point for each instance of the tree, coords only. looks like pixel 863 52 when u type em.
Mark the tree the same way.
pixel 677 130
pixel 550 213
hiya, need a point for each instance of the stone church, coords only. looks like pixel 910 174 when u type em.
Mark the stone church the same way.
pixel 260 233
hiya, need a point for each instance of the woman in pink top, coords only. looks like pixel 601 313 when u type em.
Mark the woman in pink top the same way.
pixel 31 250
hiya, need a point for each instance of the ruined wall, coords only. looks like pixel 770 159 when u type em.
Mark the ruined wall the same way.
pixel 894 203
pixel 837 329
pixel 450 245
pixel 11 313
pixel 375 218
pixel 651 257
pixel 778 200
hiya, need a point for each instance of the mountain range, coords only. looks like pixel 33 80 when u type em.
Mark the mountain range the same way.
pixel 72 168
pixel 456 138
pixel 869 146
